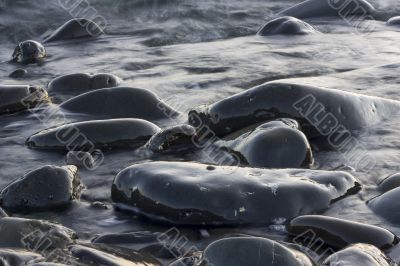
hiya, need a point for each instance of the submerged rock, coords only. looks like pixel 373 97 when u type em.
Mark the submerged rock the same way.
pixel 358 255
pixel 27 233
pixel 330 8
pixel 92 256
pixel 171 136
pixel 286 26
pixel 321 112
pixel 18 73
pixel 244 251
pixel 193 193
pixel 42 189
pixel 96 134
pixel 120 102
pixel 394 21
pixel 28 52
pixel 387 205
pixel 389 183
pixel 15 98
pixel 85 159
pixel 74 84
pixel 340 233
pixel 273 145
pixel 75 28
pixel 158 244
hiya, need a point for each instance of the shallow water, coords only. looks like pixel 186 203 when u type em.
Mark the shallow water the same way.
pixel 191 53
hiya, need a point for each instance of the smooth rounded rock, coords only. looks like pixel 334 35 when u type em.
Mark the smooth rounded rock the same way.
pixel 358 255
pixel 42 189
pixel 15 98
pixel 340 233
pixel 387 205
pixel 74 84
pixel 171 136
pixel 28 52
pixel 95 134
pixel 286 26
pixel 330 8
pixel 25 233
pixel 244 251
pixel 273 145
pixel 321 112
pixel 394 21
pixel 389 183
pixel 120 102
pixel 18 73
pixel 75 28
pixel 193 193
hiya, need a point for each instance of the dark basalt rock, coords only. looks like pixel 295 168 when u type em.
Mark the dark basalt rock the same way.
pixel 15 98
pixel 74 84
pixel 120 102
pixel 75 28
pixel 18 73
pixel 332 111
pixel 100 134
pixel 358 255
pixel 25 233
pixel 394 21
pixel 171 136
pixel 111 257
pixel 330 8
pixel 244 251
pixel 273 145
pixel 286 26
pixel 28 52
pixel 42 189
pixel 340 233
pixel 196 194
pixel 387 205
pixel 389 183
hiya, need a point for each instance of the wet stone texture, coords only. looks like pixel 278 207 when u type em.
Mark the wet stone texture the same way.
pixel 192 193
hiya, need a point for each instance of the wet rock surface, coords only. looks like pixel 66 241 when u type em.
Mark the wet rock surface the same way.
pixel 286 26
pixel 273 145
pixel 386 205
pixel 74 84
pixel 394 21
pixel 120 102
pixel 96 134
pixel 328 8
pixel 192 193
pixel 340 233
pixel 170 137
pixel 14 98
pixel 48 187
pixel 243 251
pixel 321 112
pixel 390 182
pixel 29 52
pixel 74 29
pixel 358 255
pixel 92 256
pixel 18 73
pixel 25 233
